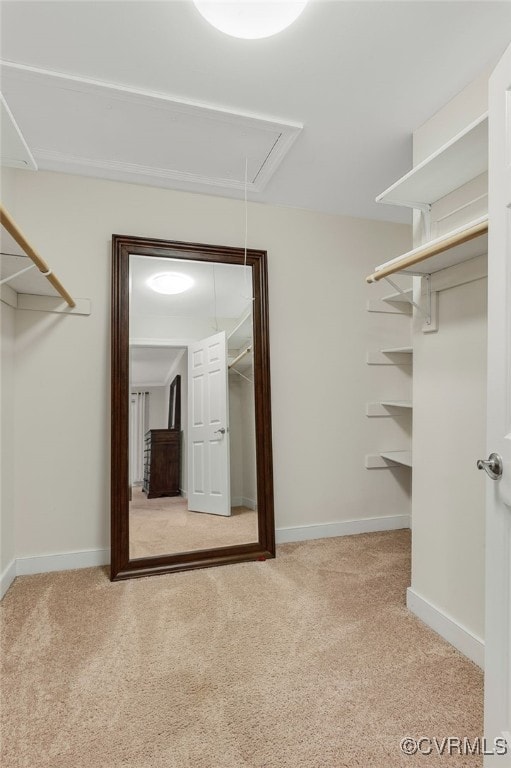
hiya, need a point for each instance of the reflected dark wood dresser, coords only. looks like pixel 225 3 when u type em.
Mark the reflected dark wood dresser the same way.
pixel 162 462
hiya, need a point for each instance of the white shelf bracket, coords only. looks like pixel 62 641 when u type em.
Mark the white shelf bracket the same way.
pixel 431 323
pixel 427 314
pixel 426 214
pixel 16 274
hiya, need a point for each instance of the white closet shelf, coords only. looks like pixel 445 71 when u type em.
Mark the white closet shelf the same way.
pixel 400 457
pixel 242 333
pixel 455 163
pixel 397 403
pixel 461 244
pixel 399 298
pixel 397 350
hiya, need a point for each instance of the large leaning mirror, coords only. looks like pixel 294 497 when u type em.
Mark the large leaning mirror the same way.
pixel 192 482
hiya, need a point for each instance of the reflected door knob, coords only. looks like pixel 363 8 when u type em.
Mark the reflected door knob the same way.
pixel 493 466
pixel 221 430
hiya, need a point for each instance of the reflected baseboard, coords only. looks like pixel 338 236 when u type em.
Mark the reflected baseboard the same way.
pixel 236 501
pixel 242 501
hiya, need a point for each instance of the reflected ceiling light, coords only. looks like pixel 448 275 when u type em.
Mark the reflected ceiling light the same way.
pixel 250 19
pixel 170 282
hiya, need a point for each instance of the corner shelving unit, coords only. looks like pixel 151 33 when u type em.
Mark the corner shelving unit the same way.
pixel 456 163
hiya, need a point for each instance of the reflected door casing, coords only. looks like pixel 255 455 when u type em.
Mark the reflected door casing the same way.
pixel 208 425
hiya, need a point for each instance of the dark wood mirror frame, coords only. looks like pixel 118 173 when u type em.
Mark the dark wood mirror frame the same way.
pixel 121 565
pixel 174 421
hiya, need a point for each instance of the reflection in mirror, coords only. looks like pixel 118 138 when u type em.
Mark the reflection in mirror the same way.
pixel 175 403
pixel 193 481
pixel 192 474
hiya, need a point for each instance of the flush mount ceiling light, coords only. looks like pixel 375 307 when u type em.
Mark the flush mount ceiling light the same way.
pixel 250 19
pixel 170 282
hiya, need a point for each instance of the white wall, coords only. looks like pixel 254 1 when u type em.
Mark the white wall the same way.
pixel 158 406
pixel 248 434
pixel 449 396
pixel 7 398
pixel 448 437
pixel 318 332
pixel 7 539
pixel 242 442
pixel 235 438
pixel 182 370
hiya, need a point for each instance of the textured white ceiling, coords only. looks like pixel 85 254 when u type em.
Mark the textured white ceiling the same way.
pixel 152 366
pixel 360 76
pixel 219 290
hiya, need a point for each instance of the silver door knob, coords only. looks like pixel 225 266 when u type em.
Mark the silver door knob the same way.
pixel 493 466
pixel 221 430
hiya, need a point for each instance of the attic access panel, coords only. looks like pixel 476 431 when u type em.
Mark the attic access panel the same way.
pixel 83 126
pixel 14 151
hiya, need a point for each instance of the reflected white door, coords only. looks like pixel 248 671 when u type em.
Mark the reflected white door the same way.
pixel 498 500
pixel 208 427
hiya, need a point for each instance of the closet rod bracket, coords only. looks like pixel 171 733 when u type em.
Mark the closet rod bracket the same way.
pixel 426 314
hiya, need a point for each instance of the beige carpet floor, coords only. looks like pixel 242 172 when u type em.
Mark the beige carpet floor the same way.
pixel 164 526
pixel 307 661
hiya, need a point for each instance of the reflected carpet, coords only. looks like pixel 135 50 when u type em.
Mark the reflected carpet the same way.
pixel 164 526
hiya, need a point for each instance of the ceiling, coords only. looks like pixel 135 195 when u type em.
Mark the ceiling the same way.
pixel 153 366
pixel 344 86
pixel 217 299
pixel 221 290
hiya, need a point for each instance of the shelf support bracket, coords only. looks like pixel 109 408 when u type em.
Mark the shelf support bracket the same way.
pixel 16 274
pixel 426 314
pixel 426 213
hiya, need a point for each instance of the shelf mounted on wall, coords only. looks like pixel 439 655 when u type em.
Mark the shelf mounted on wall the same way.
pixel 28 296
pixel 460 245
pixel 457 162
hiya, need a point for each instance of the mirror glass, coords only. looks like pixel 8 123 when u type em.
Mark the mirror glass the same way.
pixel 192 473
pixel 191 460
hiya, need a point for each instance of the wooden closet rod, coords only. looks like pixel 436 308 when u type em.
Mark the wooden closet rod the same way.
pixel 428 251
pixel 241 354
pixel 22 241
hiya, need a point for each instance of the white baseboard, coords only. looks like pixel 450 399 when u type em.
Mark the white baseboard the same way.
pixel 342 528
pixel 66 561
pixel 447 627
pixel 7 577
pixel 242 501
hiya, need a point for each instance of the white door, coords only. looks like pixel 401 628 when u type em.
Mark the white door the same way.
pixel 498 499
pixel 208 427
